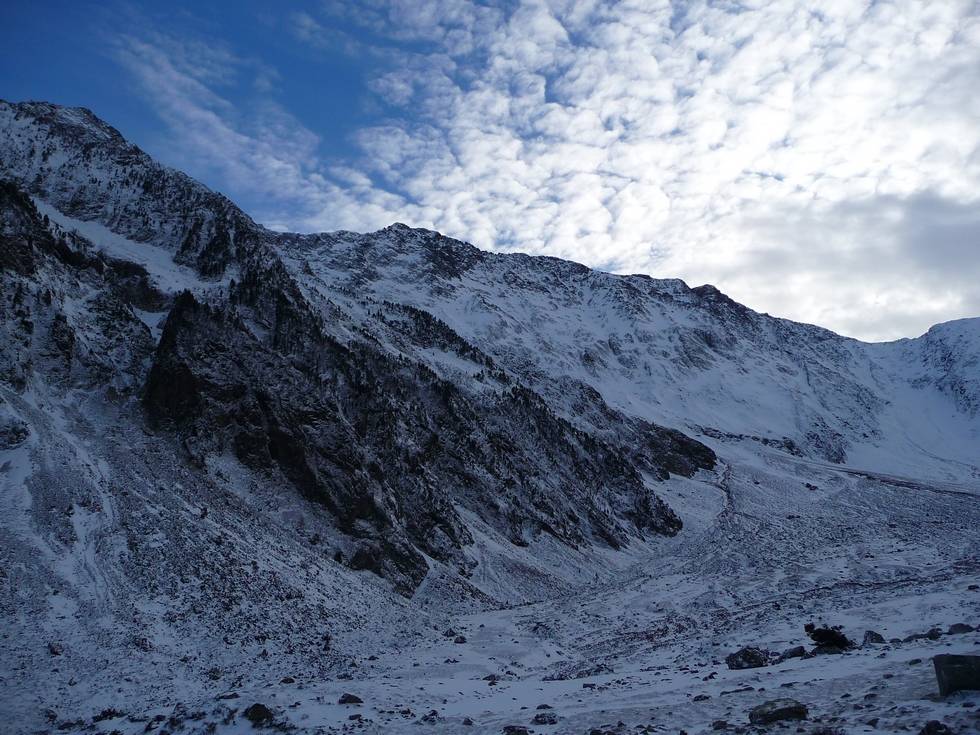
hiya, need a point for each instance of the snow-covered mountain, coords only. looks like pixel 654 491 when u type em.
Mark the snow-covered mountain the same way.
pixel 210 432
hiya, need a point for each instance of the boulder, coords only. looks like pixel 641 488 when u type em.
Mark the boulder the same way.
pixel 794 652
pixel 935 727
pixel 827 637
pixel 545 718
pixel 871 636
pixel 776 710
pixel 747 658
pixel 259 715
pixel 960 628
pixel 956 673
pixel 350 699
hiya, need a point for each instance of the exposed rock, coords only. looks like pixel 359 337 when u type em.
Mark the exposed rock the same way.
pixel 776 710
pixel 747 658
pixel 828 638
pixel 545 718
pixel 56 649
pixel 259 715
pixel 350 699
pixel 794 652
pixel 871 637
pixel 467 721
pixel 515 730
pixel 956 673
pixel 108 714
pixel 13 432
pixel 935 727
pixel 959 628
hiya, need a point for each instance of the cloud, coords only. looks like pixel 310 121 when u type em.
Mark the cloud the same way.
pixel 263 155
pixel 817 160
pixel 889 265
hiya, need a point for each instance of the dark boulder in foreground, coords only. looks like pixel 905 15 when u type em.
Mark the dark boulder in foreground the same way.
pixel 872 637
pixel 959 629
pixel 956 673
pixel 794 652
pixel 935 727
pixel 776 710
pixel 828 638
pixel 747 658
pixel 259 715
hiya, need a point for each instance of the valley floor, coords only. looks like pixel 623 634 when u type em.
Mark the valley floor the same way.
pixel 770 543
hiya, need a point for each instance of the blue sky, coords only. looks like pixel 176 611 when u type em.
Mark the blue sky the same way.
pixel 817 159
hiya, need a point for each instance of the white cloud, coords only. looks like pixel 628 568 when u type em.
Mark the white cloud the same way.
pixel 265 155
pixel 802 156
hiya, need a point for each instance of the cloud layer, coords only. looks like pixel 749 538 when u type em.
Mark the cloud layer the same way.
pixel 818 160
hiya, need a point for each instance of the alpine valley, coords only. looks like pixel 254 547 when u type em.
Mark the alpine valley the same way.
pixel 389 482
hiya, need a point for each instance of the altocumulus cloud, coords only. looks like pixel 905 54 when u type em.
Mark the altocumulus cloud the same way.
pixel 817 160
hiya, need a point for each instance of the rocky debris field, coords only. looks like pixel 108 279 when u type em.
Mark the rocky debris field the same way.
pixel 644 649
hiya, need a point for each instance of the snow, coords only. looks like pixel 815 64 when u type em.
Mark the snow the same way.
pixel 168 276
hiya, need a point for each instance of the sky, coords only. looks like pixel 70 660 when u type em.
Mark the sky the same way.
pixel 818 160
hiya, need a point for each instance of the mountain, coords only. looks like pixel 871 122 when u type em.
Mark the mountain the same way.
pixel 210 430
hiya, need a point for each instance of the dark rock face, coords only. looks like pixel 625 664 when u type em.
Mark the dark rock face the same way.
pixel 776 710
pixel 350 699
pixel 956 673
pixel 386 444
pixel 747 658
pixel 63 317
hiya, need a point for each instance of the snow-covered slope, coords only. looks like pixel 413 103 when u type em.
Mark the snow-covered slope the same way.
pixel 240 465
pixel 690 358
